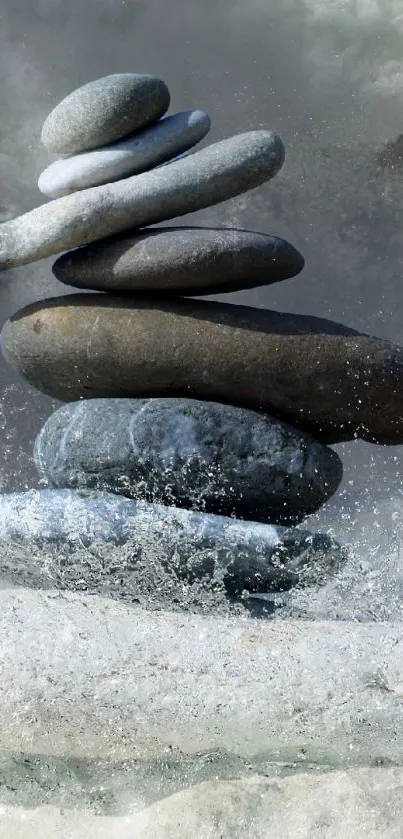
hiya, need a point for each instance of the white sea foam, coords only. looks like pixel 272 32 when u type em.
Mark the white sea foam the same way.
pixel 362 39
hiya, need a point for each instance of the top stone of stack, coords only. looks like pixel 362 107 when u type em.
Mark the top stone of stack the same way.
pixel 105 110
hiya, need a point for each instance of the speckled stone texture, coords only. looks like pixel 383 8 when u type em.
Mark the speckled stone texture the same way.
pixel 207 177
pixel 200 455
pixel 190 260
pixel 310 372
pixel 104 110
pixel 163 140
pixel 84 675
pixel 361 803
pixel 161 556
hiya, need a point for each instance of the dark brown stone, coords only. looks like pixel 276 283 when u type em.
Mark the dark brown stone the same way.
pixel 313 373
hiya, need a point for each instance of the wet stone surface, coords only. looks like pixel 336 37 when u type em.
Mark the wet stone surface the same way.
pixel 198 455
pixel 154 555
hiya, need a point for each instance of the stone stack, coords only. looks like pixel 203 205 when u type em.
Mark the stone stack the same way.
pixel 196 433
pixel 193 442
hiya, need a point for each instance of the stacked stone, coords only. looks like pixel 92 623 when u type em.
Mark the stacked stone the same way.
pixel 197 430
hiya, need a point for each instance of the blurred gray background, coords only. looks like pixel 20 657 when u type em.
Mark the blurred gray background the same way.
pixel 327 76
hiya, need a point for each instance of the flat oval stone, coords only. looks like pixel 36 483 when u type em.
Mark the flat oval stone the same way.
pixel 191 260
pixel 207 177
pixel 163 140
pixel 310 372
pixel 200 455
pixel 103 111
pixel 108 544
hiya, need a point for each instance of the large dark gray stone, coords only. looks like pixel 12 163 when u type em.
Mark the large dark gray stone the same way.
pixel 136 153
pixel 310 372
pixel 201 455
pixel 191 260
pixel 103 111
pixel 162 556
pixel 214 174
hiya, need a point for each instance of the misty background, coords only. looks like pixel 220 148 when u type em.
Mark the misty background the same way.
pixel 327 75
